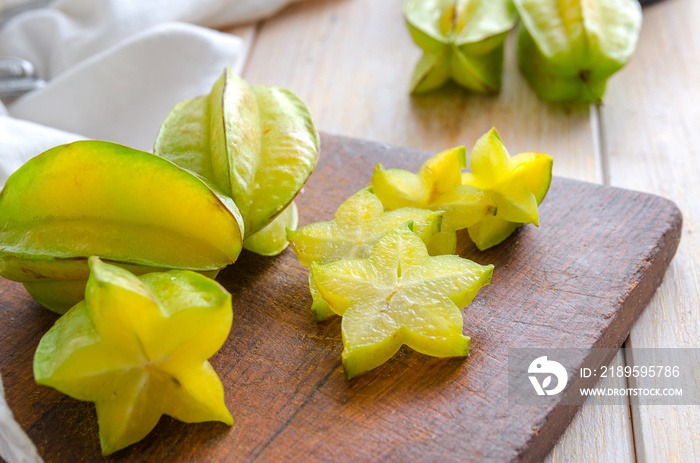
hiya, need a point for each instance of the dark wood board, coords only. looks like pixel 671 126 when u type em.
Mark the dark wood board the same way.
pixel 580 280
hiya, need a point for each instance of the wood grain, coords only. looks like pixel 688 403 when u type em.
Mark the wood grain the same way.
pixel 555 286
pixel 651 141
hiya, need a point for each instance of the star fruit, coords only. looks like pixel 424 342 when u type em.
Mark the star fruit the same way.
pixel 126 206
pixel 271 240
pixel 567 50
pixel 461 40
pixel 498 196
pixel 358 224
pixel 257 144
pixel 515 185
pixel 437 186
pixel 400 295
pixel 138 347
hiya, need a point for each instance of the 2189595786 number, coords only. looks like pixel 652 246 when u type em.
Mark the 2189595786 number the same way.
pixel 637 371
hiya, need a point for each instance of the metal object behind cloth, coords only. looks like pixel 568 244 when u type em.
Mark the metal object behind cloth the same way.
pixel 17 77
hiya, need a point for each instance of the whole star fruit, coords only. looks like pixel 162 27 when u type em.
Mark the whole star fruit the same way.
pixel 462 40
pixel 138 347
pixel 516 185
pixel 400 295
pixel 436 186
pixel 568 50
pixel 271 240
pixel 257 144
pixel 127 206
pixel 359 223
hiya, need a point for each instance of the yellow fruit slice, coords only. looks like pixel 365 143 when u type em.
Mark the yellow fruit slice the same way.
pixel 272 240
pixel 138 348
pixel 400 295
pixel 359 223
pixel 436 186
pixel 516 185
pixel 441 243
pixel 491 231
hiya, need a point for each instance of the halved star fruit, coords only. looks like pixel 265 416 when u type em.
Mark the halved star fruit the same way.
pixel 516 185
pixel 359 223
pixel 138 347
pixel 126 206
pixel 462 40
pixel 436 186
pixel 258 144
pixel 400 295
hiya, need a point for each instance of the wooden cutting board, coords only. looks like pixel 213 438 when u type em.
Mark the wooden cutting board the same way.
pixel 580 280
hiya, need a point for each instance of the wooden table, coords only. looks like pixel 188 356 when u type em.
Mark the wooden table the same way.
pixel 351 60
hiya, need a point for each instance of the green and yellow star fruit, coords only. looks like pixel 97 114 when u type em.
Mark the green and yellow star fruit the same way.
pixel 126 206
pixel 492 201
pixel 399 295
pixel 567 49
pixel 437 186
pixel 138 347
pixel 462 40
pixel 358 224
pixel 515 185
pixel 257 144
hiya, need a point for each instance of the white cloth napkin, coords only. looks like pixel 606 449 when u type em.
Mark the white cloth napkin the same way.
pixel 115 68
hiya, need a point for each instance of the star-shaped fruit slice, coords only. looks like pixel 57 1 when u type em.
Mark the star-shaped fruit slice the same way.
pixel 138 347
pixel 461 40
pixel 359 223
pixel 516 185
pixel 400 295
pixel 436 186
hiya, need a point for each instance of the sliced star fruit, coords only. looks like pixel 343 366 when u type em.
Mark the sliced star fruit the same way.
pixel 461 40
pixel 436 186
pixel 516 185
pixel 400 295
pixel 359 223
pixel 568 50
pixel 258 144
pixel 126 206
pixel 138 347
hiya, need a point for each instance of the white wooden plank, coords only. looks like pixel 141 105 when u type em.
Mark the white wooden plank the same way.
pixel 651 140
pixel 601 431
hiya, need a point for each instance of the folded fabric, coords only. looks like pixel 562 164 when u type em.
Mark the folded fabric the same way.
pixel 116 67
pixel 21 140
pixel 124 93
pixel 15 446
pixel 58 37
